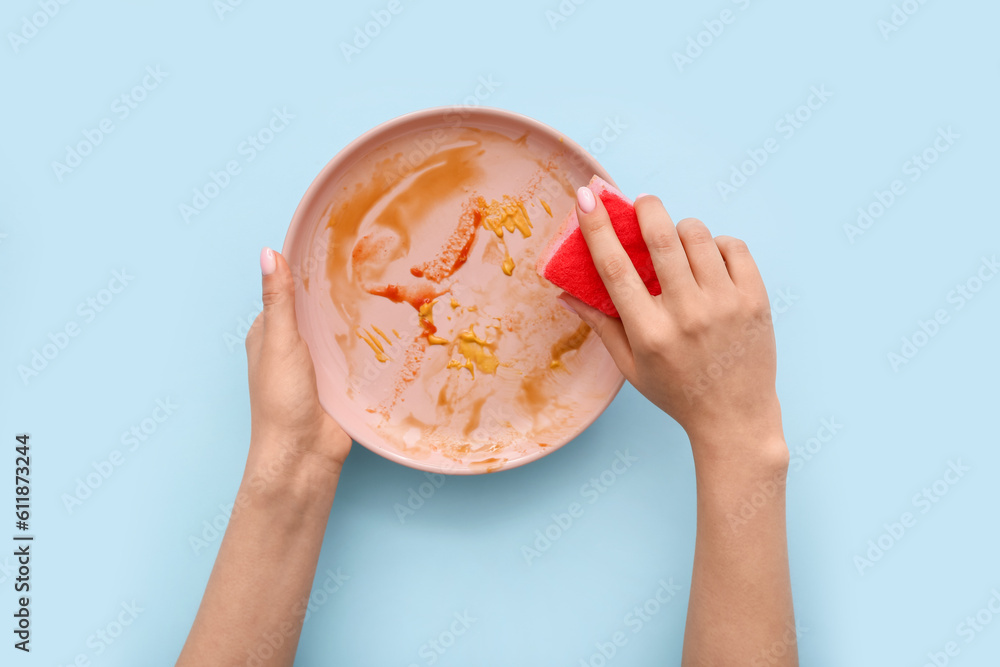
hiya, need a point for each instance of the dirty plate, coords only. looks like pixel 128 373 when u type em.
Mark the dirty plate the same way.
pixel 435 342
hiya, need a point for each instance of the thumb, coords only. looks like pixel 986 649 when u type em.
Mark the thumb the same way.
pixel 610 330
pixel 278 297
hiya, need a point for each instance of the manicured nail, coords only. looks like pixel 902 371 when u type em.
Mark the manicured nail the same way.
pixel 585 199
pixel 267 262
pixel 565 304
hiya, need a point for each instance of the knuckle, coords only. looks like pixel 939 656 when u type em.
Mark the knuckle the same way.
pixel 615 268
pixel 649 340
pixel 762 311
pixel 694 323
pixel 646 204
pixel 693 231
pixel 661 239
pixel 731 308
pixel 269 297
pixel 732 244
pixel 758 306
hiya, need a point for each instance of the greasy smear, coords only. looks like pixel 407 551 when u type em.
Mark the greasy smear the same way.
pixel 568 343
pixel 491 464
pixel 547 210
pixel 475 414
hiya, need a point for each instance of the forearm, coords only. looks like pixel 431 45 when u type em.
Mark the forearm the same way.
pixel 260 583
pixel 740 611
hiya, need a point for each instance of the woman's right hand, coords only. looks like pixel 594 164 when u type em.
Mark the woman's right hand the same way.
pixel 703 350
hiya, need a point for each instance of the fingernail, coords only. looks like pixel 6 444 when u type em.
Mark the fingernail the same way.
pixel 641 195
pixel 267 262
pixel 565 304
pixel 585 199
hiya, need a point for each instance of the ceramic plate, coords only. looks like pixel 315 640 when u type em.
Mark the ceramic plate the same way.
pixel 436 343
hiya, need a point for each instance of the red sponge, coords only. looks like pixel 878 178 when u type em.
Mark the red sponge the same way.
pixel 566 260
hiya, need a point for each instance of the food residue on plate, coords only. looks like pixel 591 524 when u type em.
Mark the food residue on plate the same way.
pixel 406 232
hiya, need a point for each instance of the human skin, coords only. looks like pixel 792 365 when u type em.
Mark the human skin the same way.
pixel 740 604
pixel 704 352
pixel 256 597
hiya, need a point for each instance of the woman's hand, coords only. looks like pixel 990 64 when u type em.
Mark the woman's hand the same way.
pixel 286 416
pixel 703 350
pixel 282 508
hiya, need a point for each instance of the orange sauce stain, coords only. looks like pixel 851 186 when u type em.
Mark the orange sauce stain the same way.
pixel 455 252
pixel 568 343
pixel 546 207
pixel 475 414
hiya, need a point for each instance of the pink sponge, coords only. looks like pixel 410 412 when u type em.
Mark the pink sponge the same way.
pixel 566 260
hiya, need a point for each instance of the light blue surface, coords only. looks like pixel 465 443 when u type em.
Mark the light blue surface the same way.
pixel 169 334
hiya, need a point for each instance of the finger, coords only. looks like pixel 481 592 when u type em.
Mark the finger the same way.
pixel 610 330
pixel 628 292
pixel 703 255
pixel 665 249
pixel 740 264
pixel 278 296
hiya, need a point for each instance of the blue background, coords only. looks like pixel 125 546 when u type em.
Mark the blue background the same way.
pixel 174 331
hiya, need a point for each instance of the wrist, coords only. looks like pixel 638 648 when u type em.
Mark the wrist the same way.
pixel 290 473
pixel 744 456
pixel 751 474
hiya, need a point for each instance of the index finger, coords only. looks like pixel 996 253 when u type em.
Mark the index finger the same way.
pixel 624 285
